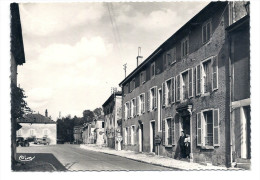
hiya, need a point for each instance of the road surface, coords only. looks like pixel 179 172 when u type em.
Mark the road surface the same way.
pixel 75 158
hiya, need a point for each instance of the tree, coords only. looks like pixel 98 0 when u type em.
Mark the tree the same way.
pixel 88 116
pixel 98 111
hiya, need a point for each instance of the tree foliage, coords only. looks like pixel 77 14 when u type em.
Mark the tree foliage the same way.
pixel 19 106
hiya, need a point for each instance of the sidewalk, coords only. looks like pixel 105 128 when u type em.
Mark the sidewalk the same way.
pixel 152 159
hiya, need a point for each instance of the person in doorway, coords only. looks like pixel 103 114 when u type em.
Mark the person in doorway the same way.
pixel 187 145
pixel 182 145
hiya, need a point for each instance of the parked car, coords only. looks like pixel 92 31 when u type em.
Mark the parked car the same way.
pixel 20 141
pixel 44 140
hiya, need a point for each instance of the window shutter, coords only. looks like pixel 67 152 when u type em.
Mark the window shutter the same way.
pixel 173 90
pixel 155 97
pixel 137 105
pixel 148 100
pixel 198 80
pixel 163 93
pixel 199 130
pixel 130 135
pixel 130 107
pixel 178 93
pixel 144 102
pixel 124 111
pixel 173 131
pixel 216 127
pixel 163 132
pixel 134 106
pixel 190 83
pixel 174 54
pixel 215 73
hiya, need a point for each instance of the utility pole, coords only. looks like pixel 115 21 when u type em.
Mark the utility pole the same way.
pixel 125 66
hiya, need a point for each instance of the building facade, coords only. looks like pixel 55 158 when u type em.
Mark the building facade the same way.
pixel 113 116
pixel 38 126
pixel 77 134
pixel 184 86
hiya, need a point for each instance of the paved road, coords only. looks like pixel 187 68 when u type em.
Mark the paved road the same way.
pixel 75 158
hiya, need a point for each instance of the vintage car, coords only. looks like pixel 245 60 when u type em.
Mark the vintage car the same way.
pixel 20 141
pixel 44 140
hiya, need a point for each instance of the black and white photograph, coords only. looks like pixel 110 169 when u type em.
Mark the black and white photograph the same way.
pixel 129 86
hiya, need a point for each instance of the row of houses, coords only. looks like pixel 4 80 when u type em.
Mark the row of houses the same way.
pixel 196 82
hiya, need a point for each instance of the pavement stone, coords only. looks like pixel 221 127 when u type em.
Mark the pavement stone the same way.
pixel 156 160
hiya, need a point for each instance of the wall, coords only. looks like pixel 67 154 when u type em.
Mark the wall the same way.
pixel 39 131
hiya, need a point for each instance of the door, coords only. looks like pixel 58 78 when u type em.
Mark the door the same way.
pixel 141 138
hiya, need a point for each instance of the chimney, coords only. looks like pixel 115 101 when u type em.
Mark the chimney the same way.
pixel 139 57
pixel 46 113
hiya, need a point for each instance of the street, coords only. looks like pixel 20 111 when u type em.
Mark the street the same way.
pixel 74 158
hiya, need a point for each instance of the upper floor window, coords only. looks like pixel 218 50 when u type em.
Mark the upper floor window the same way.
pixel 171 56
pixel 132 85
pixel 208 128
pixel 127 110
pixel 206 32
pixel 207 76
pixel 142 77
pixel 184 85
pixel 153 98
pixel 32 132
pixel 152 69
pixel 133 107
pixel 140 104
pixel 126 89
pixel 168 92
pixel 132 135
pixel 185 47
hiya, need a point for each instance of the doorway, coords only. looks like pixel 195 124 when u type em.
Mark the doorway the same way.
pixel 185 126
pixel 152 136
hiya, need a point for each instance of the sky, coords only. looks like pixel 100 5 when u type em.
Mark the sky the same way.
pixel 75 52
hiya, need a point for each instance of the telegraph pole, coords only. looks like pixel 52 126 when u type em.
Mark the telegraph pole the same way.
pixel 125 66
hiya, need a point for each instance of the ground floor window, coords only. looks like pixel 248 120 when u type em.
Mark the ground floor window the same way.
pixel 168 131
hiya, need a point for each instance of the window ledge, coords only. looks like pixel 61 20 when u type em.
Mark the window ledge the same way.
pixel 205 94
pixel 207 147
pixel 168 146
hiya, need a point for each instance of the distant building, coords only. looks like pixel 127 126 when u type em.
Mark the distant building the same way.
pixel 113 117
pixel 77 134
pixel 99 133
pixel 38 126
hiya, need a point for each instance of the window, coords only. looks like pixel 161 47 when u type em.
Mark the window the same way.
pixel 45 132
pixel 206 32
pixel 132 85
pixel 126 136
pixel 142 77
pixel 126 89
pixel 184 83
pixel 168 92
pixel 168 132
pixel 153 70
pixel 208 128
pixel 171 56
pixel 19 132
pixel 32 132
pixel 133 107
pixel 153 98
pixel 127 110
pixel 132 135
pixel 207 76
pixel 103 124
pixel 185 47
pixel 140 104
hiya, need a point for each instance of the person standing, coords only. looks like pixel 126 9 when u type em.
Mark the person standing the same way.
pixel 182 145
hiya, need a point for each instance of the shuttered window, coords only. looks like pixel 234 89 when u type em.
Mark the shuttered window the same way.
pixel 206 32
pixel 190 82
pixel 215 73
pixel 168 92
pixel 168 132
pixel 173 90
pixel 163 94
pixel 173 131
pixel 178 88
pixel 199 129
pixel 148 101
pixel 216 127
pixel 163 132
pixel 153 98
pixel 208 128
pixel 126 136
pixel 198 81
pixel 138 105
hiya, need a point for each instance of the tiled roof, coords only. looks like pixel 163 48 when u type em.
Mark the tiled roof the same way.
pixel 35 118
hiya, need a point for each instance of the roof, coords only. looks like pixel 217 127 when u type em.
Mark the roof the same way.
pixel 240 24
pixel 36 118
pixel 17 48
pixel 196 20
pixel 111 97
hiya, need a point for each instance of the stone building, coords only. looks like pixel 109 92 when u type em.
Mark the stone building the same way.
pixel 77 134
pixel 38 126
pixel 184 86
pixel 113 115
